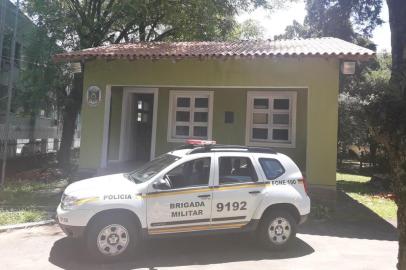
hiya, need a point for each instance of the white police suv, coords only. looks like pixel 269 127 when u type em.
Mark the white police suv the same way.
pixel 201 188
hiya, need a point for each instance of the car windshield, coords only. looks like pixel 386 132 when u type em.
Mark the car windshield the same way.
pixel 151 168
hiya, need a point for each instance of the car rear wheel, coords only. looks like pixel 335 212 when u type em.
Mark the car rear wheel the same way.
pixel 111 237
pixel 277 230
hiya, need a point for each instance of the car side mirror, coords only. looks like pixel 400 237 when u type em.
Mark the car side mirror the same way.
pixel 161 184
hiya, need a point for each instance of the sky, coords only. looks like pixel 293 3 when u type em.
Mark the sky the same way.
pixel 276 22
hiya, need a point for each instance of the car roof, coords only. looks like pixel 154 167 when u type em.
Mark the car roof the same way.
pixel 220 148
pixel 179 152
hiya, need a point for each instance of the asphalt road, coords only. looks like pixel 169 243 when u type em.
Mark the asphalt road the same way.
pixel 356 238
pixel 318 246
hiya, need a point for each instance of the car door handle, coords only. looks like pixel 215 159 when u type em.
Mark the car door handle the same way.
pixel 254 192
pixel 204 196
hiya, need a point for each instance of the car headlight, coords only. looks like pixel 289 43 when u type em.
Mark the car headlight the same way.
pixel 68 202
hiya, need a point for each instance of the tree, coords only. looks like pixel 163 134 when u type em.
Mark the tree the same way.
pixel 80 24
pixel 387 107
pixel 248 30
pixel 42 83
pixel 388 118
pixel 353 21
pixel 344 19
pixel 362 88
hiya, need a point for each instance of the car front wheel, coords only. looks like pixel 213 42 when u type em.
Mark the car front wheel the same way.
pixel 277 230
pixel 111 237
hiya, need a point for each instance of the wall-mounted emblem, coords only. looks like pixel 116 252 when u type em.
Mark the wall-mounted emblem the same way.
pixel 93 95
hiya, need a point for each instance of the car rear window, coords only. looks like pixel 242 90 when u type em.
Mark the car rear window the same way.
pixel 236 170
pixel 272 168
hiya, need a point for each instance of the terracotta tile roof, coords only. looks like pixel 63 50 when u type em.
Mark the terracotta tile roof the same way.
pixel 329 47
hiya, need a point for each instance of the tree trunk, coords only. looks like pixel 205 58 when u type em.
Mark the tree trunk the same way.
pixel 372 153
pixel 398 170
pixel 402 233
pixel 71 111
pixel 396 147
pixel 142 32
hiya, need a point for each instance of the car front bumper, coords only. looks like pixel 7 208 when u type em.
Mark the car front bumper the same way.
pixel 303 218
pixel 73 231
pixel 73 222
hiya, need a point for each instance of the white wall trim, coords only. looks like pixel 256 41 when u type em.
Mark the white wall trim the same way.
pixel 125 104
pixel 250 95
pixel 180 92
pixel 124 117
pixel 105 145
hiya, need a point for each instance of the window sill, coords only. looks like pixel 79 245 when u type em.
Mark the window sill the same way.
pixel 183 140
pixel 272 144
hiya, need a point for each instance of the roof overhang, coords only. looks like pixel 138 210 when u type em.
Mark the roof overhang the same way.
pixel 297 48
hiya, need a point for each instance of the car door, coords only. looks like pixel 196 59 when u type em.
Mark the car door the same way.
pixel 237 191
pixel 186 206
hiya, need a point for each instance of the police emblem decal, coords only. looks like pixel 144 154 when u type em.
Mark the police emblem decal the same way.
pixel 93 95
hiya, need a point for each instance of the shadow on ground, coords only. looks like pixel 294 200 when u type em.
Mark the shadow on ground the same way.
pixel 69 254
pixel 352 220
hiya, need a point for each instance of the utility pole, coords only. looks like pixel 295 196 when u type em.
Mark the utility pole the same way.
pixel 9 94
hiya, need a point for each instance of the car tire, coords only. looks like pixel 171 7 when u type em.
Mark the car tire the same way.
pixel 112 237
pixel 277 230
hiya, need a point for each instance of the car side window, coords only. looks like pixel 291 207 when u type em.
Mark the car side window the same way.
pixel 192 173
pixel 272 168
pixel 236 170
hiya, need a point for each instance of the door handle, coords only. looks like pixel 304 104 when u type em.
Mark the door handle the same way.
pixel 204 196
pixel 254 192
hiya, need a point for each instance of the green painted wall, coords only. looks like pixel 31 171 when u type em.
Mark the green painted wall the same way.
pixel 234 100
pixel 319 75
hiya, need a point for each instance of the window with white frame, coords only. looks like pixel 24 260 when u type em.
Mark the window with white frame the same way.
pixel 271 118
pixel 190 115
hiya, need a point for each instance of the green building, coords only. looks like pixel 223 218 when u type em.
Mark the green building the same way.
pixel 24 30
pixel 26 134
pixel 144 99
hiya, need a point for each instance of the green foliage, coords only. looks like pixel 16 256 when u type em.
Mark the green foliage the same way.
pixel 353 126
pixel 295 30
pixel 354 21
pixel 346 19
pixel 248 30
pixel 343 18
pixel 358 92
pixel 91 23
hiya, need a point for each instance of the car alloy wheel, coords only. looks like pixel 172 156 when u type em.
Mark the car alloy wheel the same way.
pixel 113 240
pixel 279 230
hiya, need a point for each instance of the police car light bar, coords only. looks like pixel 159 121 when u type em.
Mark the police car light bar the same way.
pixel 200 142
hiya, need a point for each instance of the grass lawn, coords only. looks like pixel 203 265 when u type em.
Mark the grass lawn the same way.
pixel 21 216
pixel 358 188
pixel 27 201
pixel 32 194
